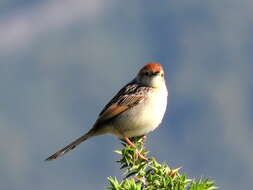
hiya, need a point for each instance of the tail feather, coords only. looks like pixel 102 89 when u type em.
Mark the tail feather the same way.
pixel 70 146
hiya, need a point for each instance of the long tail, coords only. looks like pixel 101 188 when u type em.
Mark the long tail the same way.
pixel 71 146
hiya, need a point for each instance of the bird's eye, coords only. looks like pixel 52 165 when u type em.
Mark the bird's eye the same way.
pixel 162 74
pixel 146 73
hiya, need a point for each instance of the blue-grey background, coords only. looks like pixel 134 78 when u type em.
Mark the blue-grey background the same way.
pixel 61 61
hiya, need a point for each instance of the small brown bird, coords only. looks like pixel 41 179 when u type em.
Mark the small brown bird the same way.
pixel 137 109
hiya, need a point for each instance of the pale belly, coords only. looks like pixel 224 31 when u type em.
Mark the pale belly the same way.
pixel 142 118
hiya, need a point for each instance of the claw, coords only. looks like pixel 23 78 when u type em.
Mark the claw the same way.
pixel 138 154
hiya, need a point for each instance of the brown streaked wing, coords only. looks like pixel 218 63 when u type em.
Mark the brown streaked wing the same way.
pixel 112 111
pixel 126 98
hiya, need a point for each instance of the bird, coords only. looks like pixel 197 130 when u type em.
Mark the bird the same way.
pixel 136 110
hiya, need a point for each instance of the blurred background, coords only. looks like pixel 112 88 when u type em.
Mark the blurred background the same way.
pixel 62 61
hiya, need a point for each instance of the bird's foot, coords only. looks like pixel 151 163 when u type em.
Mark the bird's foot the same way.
pixel 138 154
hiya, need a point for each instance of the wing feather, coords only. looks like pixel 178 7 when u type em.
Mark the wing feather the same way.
pixel 129 96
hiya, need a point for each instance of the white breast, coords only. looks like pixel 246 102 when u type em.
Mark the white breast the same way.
pixel 143 118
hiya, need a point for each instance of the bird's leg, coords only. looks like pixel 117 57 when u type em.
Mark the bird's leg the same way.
pixel 134 146
pixel 144 138
pixel 129 142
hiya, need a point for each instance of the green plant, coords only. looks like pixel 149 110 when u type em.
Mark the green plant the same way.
pixel 151 175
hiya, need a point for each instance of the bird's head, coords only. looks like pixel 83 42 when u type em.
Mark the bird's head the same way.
pixel 152 74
